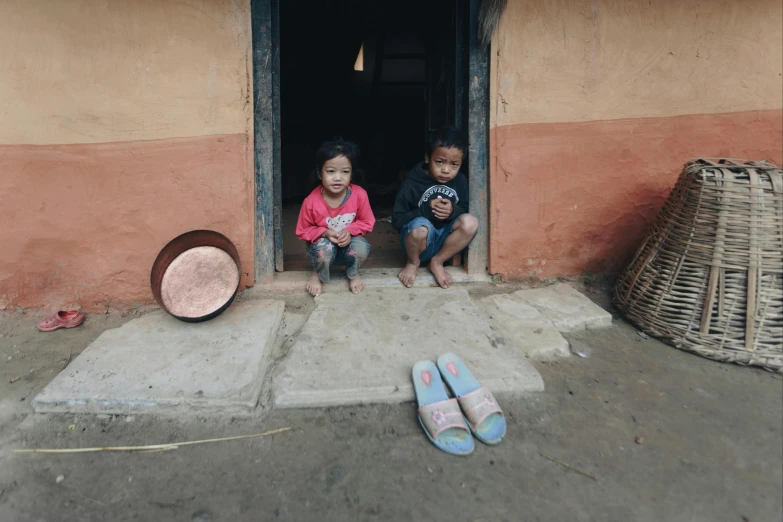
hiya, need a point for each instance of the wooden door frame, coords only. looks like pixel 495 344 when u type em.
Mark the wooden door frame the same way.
pixel 268 227
pixel 265 20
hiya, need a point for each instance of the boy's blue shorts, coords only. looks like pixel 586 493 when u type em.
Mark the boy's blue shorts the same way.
pixel 435 237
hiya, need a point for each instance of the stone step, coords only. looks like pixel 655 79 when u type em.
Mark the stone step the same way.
pixel 158 364
pixel 357 349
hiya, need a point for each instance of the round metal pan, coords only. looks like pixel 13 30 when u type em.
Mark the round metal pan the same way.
pixel 192 277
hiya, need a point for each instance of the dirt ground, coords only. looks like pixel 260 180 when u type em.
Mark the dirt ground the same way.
pixel 636 431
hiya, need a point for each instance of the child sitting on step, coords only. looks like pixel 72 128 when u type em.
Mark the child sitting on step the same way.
pixel 431 209
pixel 335 217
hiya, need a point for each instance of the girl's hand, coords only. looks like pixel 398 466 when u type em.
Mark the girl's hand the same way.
pixel 343 238
pixel 442 208
pixel 331 235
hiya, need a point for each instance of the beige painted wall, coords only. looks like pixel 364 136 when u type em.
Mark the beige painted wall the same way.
pixel 91 71
pixel 584 60
pixel 123 123
pixel 596 105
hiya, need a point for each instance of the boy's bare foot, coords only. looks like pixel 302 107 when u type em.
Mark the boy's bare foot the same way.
pixel 439 272
pixel 314 285
pixel 356 284
pixel 408 274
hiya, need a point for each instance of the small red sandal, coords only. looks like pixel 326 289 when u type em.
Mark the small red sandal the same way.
pixel 62 319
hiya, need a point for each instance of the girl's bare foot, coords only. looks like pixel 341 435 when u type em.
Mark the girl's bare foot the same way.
pixel 356 284
pixel 408 274
pixel 439 272
pixel 314 285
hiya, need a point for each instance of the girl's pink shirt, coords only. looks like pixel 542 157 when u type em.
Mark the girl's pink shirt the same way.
pixel 316 217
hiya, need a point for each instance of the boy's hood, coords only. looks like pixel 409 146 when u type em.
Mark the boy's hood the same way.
pixel 421 175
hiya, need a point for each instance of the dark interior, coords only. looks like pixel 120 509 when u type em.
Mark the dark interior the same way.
pixel 408 85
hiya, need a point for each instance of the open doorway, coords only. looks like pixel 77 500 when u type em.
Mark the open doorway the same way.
pixel 382 73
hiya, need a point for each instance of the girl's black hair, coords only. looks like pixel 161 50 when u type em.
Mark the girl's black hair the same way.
pixel 447 137
pixel 330 149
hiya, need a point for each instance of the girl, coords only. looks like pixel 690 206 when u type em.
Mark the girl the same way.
pixel 335 216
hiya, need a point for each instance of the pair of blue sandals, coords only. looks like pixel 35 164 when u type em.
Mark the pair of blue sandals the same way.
pixel 449 422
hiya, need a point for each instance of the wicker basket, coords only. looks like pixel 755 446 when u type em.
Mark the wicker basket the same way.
pixel 709 277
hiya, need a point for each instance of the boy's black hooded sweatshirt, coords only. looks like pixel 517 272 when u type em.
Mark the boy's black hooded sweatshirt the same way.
pixel 413 198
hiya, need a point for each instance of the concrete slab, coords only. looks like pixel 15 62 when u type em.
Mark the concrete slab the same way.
pixel 532 333
pixel 158 364
pixel 360 349
pixel 567 308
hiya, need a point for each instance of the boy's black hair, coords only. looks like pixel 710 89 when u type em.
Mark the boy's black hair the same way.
pixel 334 147
pixel 448 137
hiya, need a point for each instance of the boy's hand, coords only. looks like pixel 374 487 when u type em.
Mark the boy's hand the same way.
pixel 331 235
pixel 343 238
pixel 441 207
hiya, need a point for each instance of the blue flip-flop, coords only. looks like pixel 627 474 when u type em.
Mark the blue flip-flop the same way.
pixel 485 418
pixel 439 416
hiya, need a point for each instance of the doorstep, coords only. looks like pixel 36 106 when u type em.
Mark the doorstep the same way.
pixel 295 281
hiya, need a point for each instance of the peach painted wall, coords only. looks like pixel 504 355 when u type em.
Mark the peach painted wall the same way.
pixel 124 125
pixel 596 105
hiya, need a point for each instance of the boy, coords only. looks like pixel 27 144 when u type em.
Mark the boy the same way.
pixel 431 209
